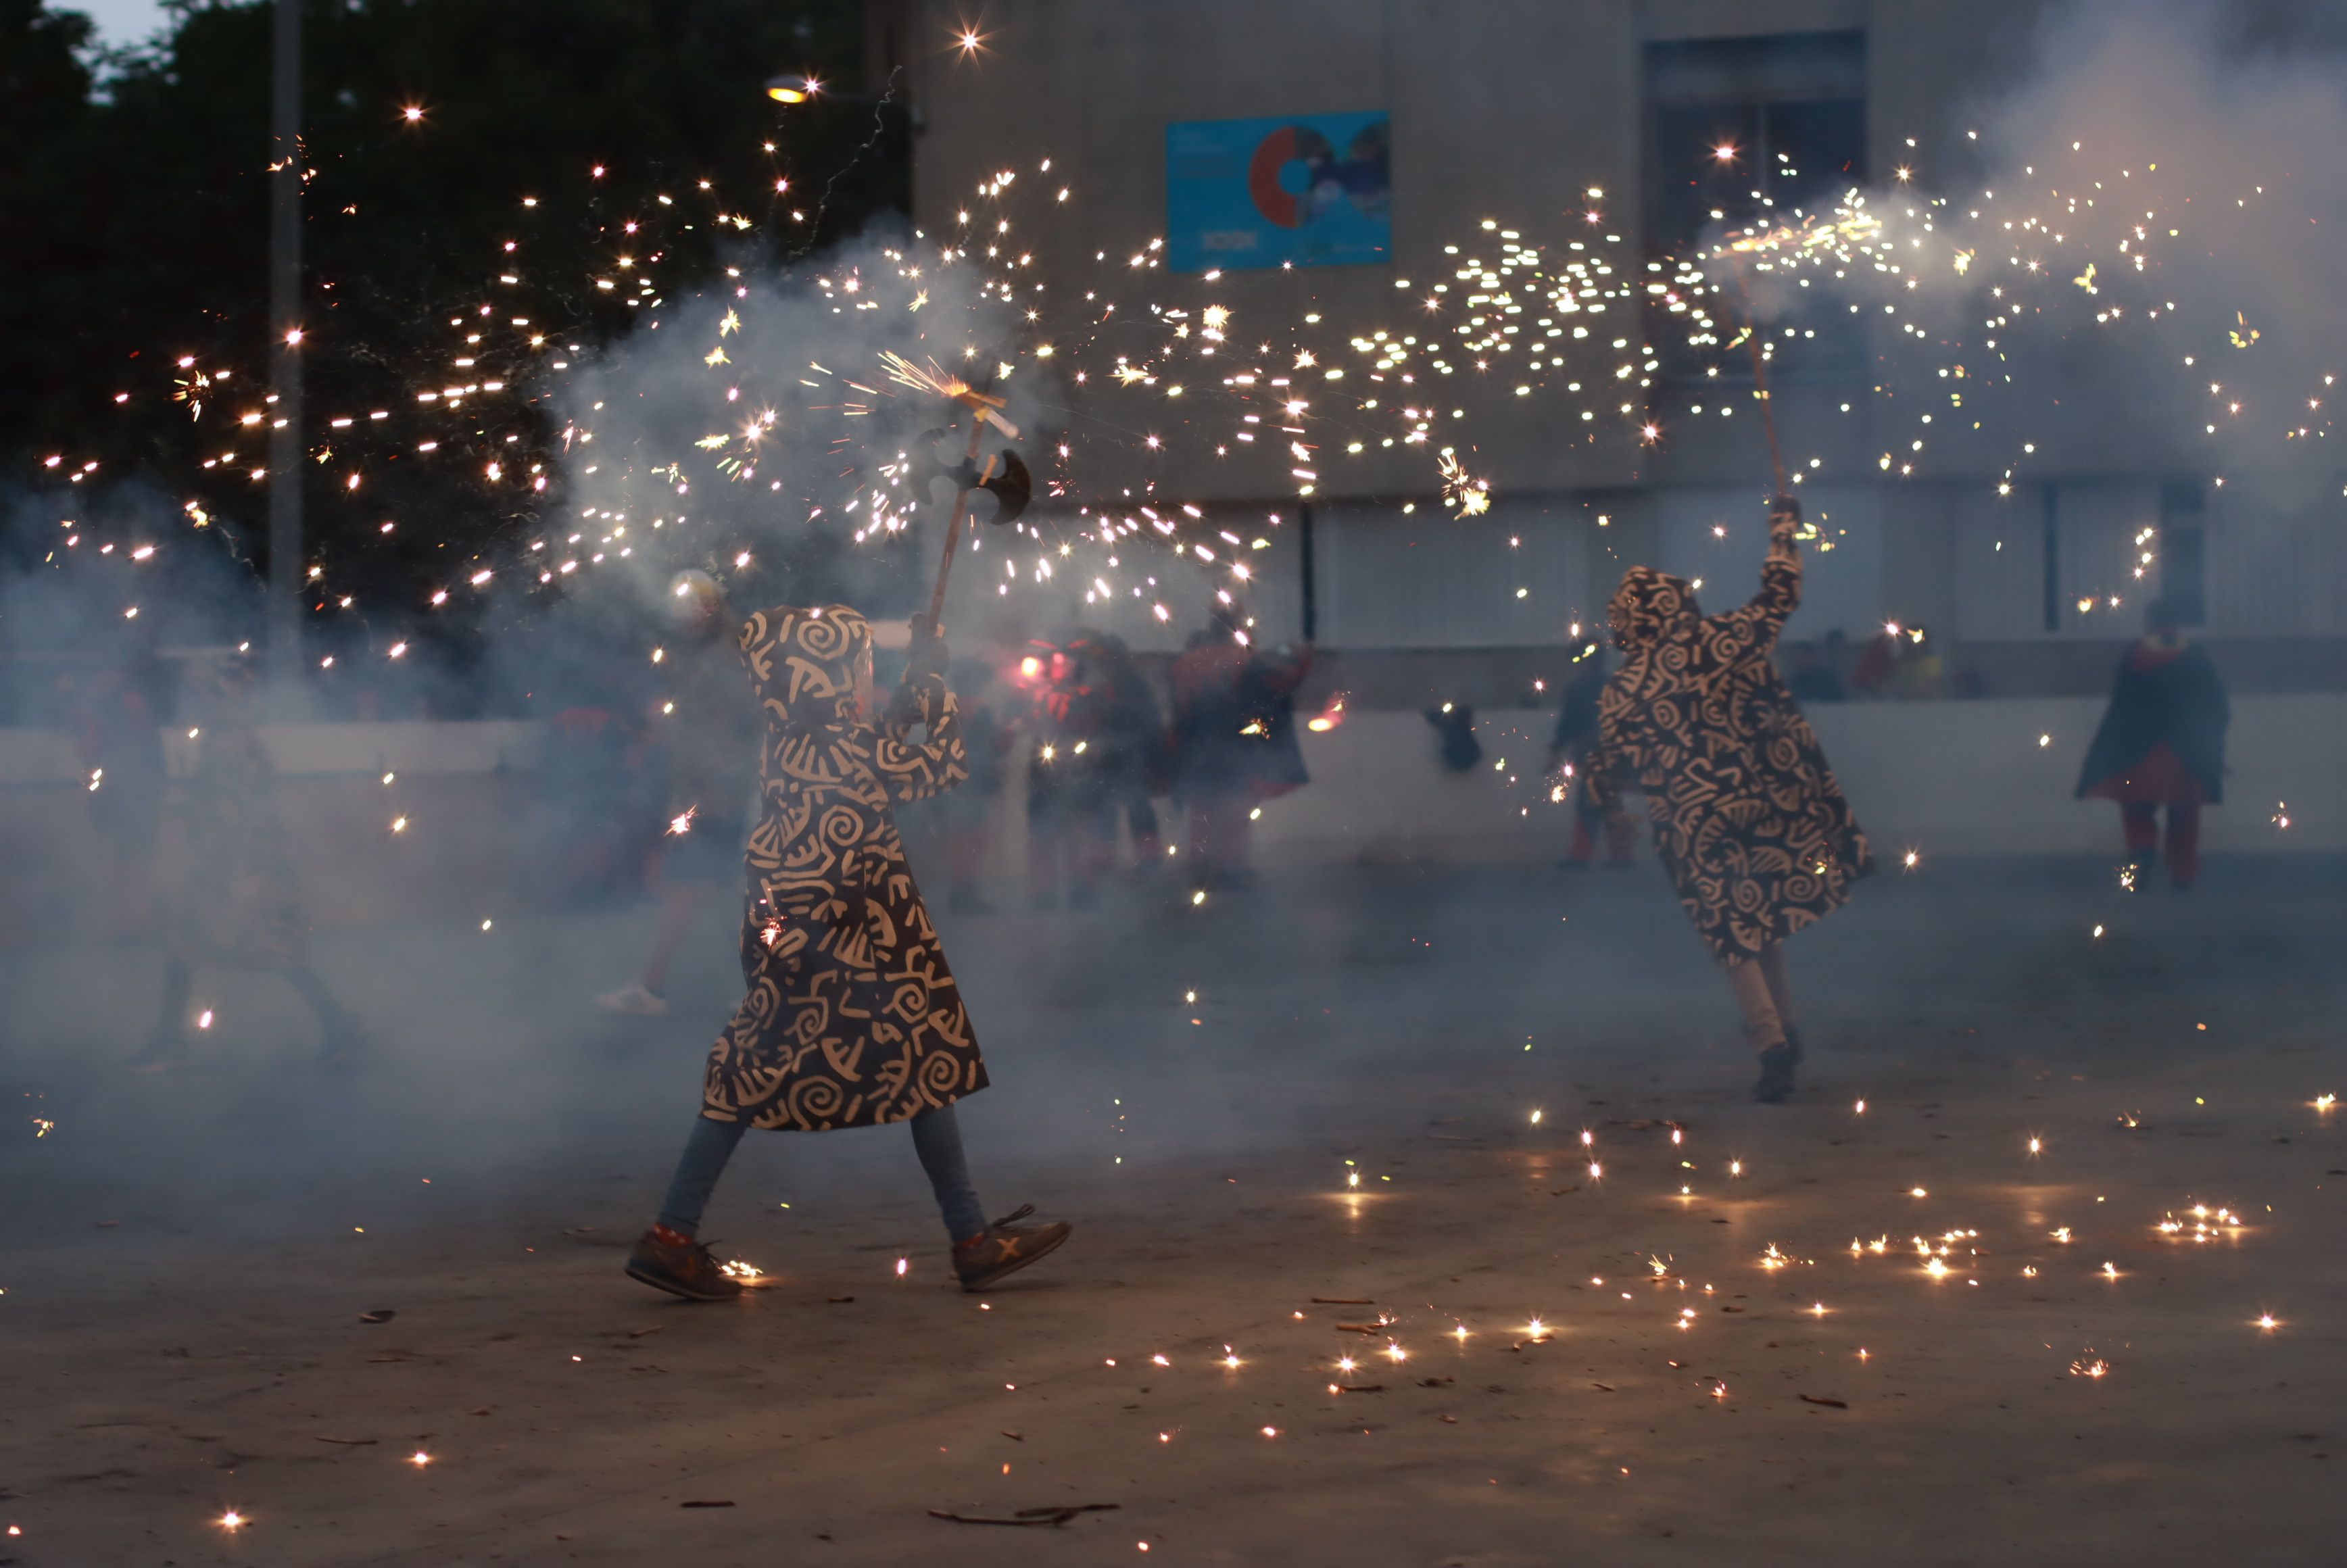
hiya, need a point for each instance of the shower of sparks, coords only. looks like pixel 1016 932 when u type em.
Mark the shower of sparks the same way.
pixel 1467 496
pixel 1576 318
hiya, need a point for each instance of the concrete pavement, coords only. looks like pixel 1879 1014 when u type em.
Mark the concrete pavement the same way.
pixel 2013 1363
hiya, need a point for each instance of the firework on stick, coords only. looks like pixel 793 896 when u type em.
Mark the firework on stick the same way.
pixel 1761 381
pixel 1004 475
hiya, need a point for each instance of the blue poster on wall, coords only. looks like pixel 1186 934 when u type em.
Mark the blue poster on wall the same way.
pixel 1312 189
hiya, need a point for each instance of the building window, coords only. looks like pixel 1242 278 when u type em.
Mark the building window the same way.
pixel 1742 131
pixel 2183 553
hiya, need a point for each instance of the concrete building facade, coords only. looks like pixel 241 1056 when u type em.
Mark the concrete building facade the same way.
pixel 1514 111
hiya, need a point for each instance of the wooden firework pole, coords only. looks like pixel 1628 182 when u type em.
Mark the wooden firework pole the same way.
pixel 1760 379
pixel 984 410
pixel 953 532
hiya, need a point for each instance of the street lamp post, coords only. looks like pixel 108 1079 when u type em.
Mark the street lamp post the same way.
pixel 797 88
pixel 285 446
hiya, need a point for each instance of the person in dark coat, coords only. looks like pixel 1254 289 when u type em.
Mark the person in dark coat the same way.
pixel 853 1018
pixel 707 741
pixel 1132 737
pixel 1814 677
pixel 1570 755
pixel 1071 803
pixel 1455 746
pixel 2161 743
pixel 237 904
pixel 117 731
pixel 1234 742
pixel 1749 819
pixel 968 811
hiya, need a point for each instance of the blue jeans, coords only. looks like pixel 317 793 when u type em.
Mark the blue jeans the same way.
pixel 937 1139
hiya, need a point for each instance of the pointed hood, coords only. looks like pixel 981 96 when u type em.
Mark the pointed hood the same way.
pixel 802 662
pixel 1650 607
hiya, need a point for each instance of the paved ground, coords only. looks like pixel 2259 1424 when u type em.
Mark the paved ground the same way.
pixel 1752 1367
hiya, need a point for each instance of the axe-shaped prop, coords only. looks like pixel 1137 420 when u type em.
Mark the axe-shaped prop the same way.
pixel 1003 473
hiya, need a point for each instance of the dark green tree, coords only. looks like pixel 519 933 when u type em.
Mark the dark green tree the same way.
pixel 550 138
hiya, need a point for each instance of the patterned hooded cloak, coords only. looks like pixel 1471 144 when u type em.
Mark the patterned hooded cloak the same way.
pixel 852 1018
pixel 1748 817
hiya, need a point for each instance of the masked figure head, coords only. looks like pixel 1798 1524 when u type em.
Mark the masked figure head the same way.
pixel 805 664
pixel 1651 607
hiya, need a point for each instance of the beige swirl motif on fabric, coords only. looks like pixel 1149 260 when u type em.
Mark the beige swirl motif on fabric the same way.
pixel 1749 819
pixel 852 1016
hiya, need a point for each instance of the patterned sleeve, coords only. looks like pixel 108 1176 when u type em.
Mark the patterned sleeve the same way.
pixel 1781 589
pixel 910 772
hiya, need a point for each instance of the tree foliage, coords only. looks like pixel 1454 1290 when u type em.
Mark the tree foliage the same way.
pixel 134 228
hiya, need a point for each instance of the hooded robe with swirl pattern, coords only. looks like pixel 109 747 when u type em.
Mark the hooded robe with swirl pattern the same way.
pixel 1749 819
pixel 852 1018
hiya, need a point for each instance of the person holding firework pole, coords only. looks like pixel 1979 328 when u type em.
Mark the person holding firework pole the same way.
pixel 1749 819
pixel 852 1018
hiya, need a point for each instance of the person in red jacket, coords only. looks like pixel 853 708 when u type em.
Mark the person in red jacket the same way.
pixel 2161 743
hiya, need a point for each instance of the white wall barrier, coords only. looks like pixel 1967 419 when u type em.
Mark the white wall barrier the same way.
pixel 1941 778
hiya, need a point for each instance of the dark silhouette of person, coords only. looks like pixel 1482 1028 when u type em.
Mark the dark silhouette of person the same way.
pixel 2161 743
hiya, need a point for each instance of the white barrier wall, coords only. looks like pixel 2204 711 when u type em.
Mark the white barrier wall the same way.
pixel 47 756
pixel 1949 778
pixel 1941 778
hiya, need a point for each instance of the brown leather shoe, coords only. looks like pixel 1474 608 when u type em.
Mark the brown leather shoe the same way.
pixel 688 1271
pixel 1004 1248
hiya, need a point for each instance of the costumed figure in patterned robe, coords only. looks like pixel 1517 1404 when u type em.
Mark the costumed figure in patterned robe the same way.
pixel 2162 742
pixel 1747 818
pixel 852 1018
pixel 237 904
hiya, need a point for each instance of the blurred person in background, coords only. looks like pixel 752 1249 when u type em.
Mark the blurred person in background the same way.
pixel 2161 743
pixel 1133 740
pixel 237 904
pixel 704 736
pixel 1072 799
pixel 1877 673
pixel 966 815
pixel 1813 677
pixel 1233 740
pixel 1922 674
pixel 118 717
pixel 852 1018
pixel 1456 749
pixel 601 786
pixel 1569 751
pixel 1749 819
